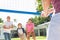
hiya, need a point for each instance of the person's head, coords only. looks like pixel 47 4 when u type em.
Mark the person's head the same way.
pixel 19 25
pixel 30 21
pixel 8 18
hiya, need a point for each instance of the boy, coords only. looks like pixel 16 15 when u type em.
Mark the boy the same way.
pixel 21 31
pixel 8 25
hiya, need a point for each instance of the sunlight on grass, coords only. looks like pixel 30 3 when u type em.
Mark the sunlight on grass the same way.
pixel 37 38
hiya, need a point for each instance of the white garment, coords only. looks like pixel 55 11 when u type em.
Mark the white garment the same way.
pixel 53 32
pixel 20 31
pixel 7 25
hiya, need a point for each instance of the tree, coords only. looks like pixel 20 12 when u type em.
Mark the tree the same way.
pixel 40 20
pixel 15 20
pixel 1 21
pixel 39 5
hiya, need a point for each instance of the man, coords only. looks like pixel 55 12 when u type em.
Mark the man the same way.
pixel 8 25
pixel 54 26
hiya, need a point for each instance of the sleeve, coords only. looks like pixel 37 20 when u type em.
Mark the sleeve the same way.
pixel 4 24
pixel 23 30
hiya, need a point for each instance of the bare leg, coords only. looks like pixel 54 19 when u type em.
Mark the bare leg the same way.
pixel 22 37
pixel 28 36
pixel 33 35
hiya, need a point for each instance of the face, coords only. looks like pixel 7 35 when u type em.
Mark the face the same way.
pixel 8 18
pixel 29 21
pixel 19 26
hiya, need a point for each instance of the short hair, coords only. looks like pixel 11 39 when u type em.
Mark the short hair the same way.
pixel 8 17
pixel 19 24
pixel 30 19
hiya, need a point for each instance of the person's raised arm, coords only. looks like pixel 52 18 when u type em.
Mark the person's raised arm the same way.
pixel 45 5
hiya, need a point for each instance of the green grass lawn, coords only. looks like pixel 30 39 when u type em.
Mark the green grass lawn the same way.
pixel 37 38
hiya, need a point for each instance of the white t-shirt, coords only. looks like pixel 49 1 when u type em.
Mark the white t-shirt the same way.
pixel 7 25
pixel 20 31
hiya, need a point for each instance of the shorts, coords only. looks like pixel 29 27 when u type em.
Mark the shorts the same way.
pixel 53 32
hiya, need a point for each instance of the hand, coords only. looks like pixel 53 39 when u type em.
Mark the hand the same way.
pixel 5 27
pixel 51 10
pixel 48 12
pixel 11 26
pixel 44 14
pixel 8 27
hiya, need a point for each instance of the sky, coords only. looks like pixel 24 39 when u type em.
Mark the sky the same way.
pixel 22 5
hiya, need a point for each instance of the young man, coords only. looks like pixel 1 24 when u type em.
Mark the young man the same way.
pixel 8 25
pixel 54 26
